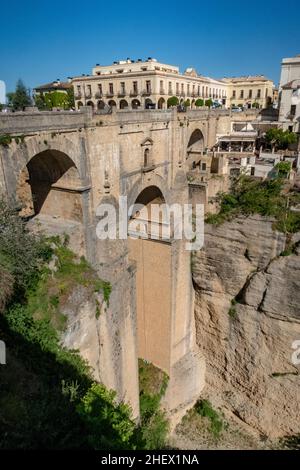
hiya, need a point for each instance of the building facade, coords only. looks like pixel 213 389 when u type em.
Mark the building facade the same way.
pixel 142 84
pixel 289 94
pixel 250 91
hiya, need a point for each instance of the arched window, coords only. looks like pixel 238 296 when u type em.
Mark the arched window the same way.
pixel 146 157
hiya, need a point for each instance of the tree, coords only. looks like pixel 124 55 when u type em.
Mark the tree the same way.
pixel 173 101
pixel 20 98
pixel 283 169
pixel 255 105
pixel 280 139
pixel 208 102
pixel 55 99
pixel 187 103
pixel 199 102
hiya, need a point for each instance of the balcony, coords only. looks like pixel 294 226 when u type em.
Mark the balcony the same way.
pixel 121 93
pixel 134 93
pixel 170 93
pixel 161 91
pixel 146 92
pixel 78 96
pixel 110 94
pixel 99 94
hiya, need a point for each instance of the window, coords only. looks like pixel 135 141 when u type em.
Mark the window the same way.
pixel 177 88
pixel 242 94
pixel 170 87
pixel 78 89
pixel 203 91
pixel 258 93
pixel 199 88
pixel 203 166
pixel 122 84
pixel 210 92
pixel 111 88
pixel 100 89
pixel 293 109
pixel 193 89
pixel 250 93
pixel 146 157
pixel 148 86
pixel 135 87
pixel 234 94
pixel 188 89
pixel 182 88
pixel 161 87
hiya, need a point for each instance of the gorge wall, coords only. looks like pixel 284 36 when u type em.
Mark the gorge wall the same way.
pixel 247 317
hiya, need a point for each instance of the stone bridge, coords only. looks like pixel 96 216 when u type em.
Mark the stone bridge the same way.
pixel 60 166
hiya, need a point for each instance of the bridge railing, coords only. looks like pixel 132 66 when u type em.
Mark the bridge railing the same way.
pixel 25 122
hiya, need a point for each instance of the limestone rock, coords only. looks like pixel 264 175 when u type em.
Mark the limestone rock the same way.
pixel 249 369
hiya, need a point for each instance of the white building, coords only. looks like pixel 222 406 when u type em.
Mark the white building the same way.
pixel 2 92
pixel 289 94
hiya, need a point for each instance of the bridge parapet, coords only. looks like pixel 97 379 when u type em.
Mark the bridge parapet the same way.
pixel 33 121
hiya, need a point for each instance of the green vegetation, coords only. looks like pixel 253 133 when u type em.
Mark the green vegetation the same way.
pixel 216 424
pixel 55 99
pixel 154 426
pixel 255 105
pixel 187 103
pixel 172 101
pixel 232 311
pixel 208 102
pixel 280 139
pixel 283 169
pixel 199 102
pixel 20 98
pixel 5 140
pixel 249 196
pixel 47 397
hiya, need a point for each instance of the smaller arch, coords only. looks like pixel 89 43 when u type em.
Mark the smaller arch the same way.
pixel 148 103
pixel 123 104
pixel 91 104
pixel 161 103
pixel 100 104
pixel 135 104
pixel 79 104
pixel 112 103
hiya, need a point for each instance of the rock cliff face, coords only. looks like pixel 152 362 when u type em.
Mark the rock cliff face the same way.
pixel 247 310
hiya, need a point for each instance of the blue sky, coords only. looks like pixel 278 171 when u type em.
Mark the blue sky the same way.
pixel 44 40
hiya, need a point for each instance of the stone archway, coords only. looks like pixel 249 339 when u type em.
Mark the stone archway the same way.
pixel 49 185
pixel 79 104
pixel 161 103
pixel 195 149
pixel 135 104
pixel 153 278
pixel 100 104
pixel 112 104
pixel 123 104
pixel 91 104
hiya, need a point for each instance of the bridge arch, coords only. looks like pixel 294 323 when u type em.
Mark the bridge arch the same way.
pixel 48 184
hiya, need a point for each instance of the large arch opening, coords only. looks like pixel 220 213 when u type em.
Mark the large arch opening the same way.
pixel 112 103
pixel 152 256
pixel 195 151
pixel 50 185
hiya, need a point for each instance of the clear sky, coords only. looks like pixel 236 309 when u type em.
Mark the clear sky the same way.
pixel 41 41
